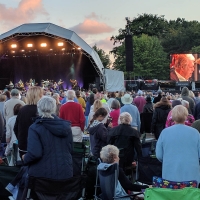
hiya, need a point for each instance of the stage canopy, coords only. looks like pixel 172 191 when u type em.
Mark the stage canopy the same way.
pixel 29 45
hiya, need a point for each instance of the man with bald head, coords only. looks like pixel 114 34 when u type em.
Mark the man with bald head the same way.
pixel 183 67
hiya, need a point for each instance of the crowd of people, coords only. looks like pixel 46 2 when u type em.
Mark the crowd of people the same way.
pixel 45 124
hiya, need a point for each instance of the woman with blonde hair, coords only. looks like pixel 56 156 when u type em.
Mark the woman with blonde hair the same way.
pixel 26 117
pixel 178 148
pixel 56 96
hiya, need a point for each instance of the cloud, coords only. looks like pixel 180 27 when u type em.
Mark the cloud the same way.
pixel 91 26
pixel 93 15
pixel 104 44
pixel 26 11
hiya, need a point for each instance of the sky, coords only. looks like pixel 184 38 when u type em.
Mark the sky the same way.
pixel 93 20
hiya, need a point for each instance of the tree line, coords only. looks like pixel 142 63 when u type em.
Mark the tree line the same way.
pixel 154 39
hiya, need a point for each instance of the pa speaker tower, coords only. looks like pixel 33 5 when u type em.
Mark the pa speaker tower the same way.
pixel 129 53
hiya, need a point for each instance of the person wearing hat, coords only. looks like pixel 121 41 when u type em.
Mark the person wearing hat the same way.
pixel 148 107
pixel 139 101
pixel 132 110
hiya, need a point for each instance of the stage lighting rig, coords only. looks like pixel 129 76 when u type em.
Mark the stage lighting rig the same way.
pixel 60 44
pixel 43 44
pixel 13 46
pixel 29 45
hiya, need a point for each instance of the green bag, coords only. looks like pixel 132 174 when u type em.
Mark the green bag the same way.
pixel 187 193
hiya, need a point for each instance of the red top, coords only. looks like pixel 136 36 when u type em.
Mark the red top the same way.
pixel 115 116
pixel 73 112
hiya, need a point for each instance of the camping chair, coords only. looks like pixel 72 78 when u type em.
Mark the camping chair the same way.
pixel 171 194
pixel 43 188
pixel 108 180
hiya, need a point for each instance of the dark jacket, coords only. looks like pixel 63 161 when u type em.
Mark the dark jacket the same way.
pixel 173 75
pixel 159 119
pixel 185 96
pixel 157 99
pixel 148 107
pixel 127 139
pixel 197 111
pixel 23 121
pixel 98 138
pixel 49 149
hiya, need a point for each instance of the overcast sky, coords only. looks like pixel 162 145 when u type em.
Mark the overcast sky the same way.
pixel 94 20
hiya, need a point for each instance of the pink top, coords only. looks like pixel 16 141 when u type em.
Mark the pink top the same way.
pixel 115 116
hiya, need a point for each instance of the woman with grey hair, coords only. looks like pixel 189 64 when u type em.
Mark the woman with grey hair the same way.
pixel 110 155
pixel 125 138
pixel 49 144
pixel 178 145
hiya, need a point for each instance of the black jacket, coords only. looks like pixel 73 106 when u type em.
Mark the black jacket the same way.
pixel 23 121
pixel 49 149
pixel 159 119
pixel 148 107
pixel 157 99
pixel 98 138
pixel 127 140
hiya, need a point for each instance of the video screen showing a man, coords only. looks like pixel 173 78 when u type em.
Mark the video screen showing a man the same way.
pixel 182 67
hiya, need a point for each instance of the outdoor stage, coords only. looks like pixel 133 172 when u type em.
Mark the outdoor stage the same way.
pixel 46 51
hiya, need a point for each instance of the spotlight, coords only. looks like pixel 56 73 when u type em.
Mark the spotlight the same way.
pixel 60 44
pixel 35 50
pixel 29 45
pixel 63 49
pixel 43 45
pixel 79 48
pixel 51 49
pixel 22 50
pixel 13 51
pixel 13 46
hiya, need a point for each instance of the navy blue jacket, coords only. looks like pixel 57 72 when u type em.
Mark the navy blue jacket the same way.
pixel 98 138
pixel 49 149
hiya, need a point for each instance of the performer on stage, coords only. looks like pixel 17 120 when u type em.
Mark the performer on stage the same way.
pixel 74 83
pixel 10 86
pixel 60 85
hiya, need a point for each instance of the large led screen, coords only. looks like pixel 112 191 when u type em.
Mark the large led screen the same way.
pixel 185 67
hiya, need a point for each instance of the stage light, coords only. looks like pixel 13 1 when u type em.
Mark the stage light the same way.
pixel 63 49
pixel 43 45
pixel 35 50
pixel 51 49
pixel 79 48
pixel 29 45
pixel 13 51
pixel 60 44
pixel 22 50
pixel 13 46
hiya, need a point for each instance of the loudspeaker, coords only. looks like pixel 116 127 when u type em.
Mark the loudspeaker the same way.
pixel 129 53
pixel 97 82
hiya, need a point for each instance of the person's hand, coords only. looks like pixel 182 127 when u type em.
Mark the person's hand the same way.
pixel 110 125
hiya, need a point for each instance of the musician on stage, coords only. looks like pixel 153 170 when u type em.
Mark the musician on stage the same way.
pixel 60 84
pixel 74 83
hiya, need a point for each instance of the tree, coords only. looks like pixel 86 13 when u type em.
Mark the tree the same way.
pixel 105 58
pixel 195 50
pixel 149 24
pixel 150 61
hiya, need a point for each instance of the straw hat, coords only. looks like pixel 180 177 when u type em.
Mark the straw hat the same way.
pixel 127 99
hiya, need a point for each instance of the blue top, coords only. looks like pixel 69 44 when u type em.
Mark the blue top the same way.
pixel 178 148
pixel 49 149
pixel 133 111
pixel 87 109
pixel 64 100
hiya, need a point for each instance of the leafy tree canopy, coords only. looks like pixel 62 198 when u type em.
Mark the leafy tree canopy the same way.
pixel 105 58
pixel 148 57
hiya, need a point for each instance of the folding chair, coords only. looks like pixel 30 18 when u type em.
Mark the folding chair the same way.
pixel 43 188
pixel 108 180
pixel 171 194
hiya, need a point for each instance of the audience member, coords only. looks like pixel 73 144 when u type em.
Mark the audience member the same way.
pixel 132 110
pixel 26 117
pixel 139 101
pixel 148 107
pixel 158 98
pixel 178 145
pixel 81 101
pixel 114 114
pixel 73 112
pixel 49 144
pixel 161 111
